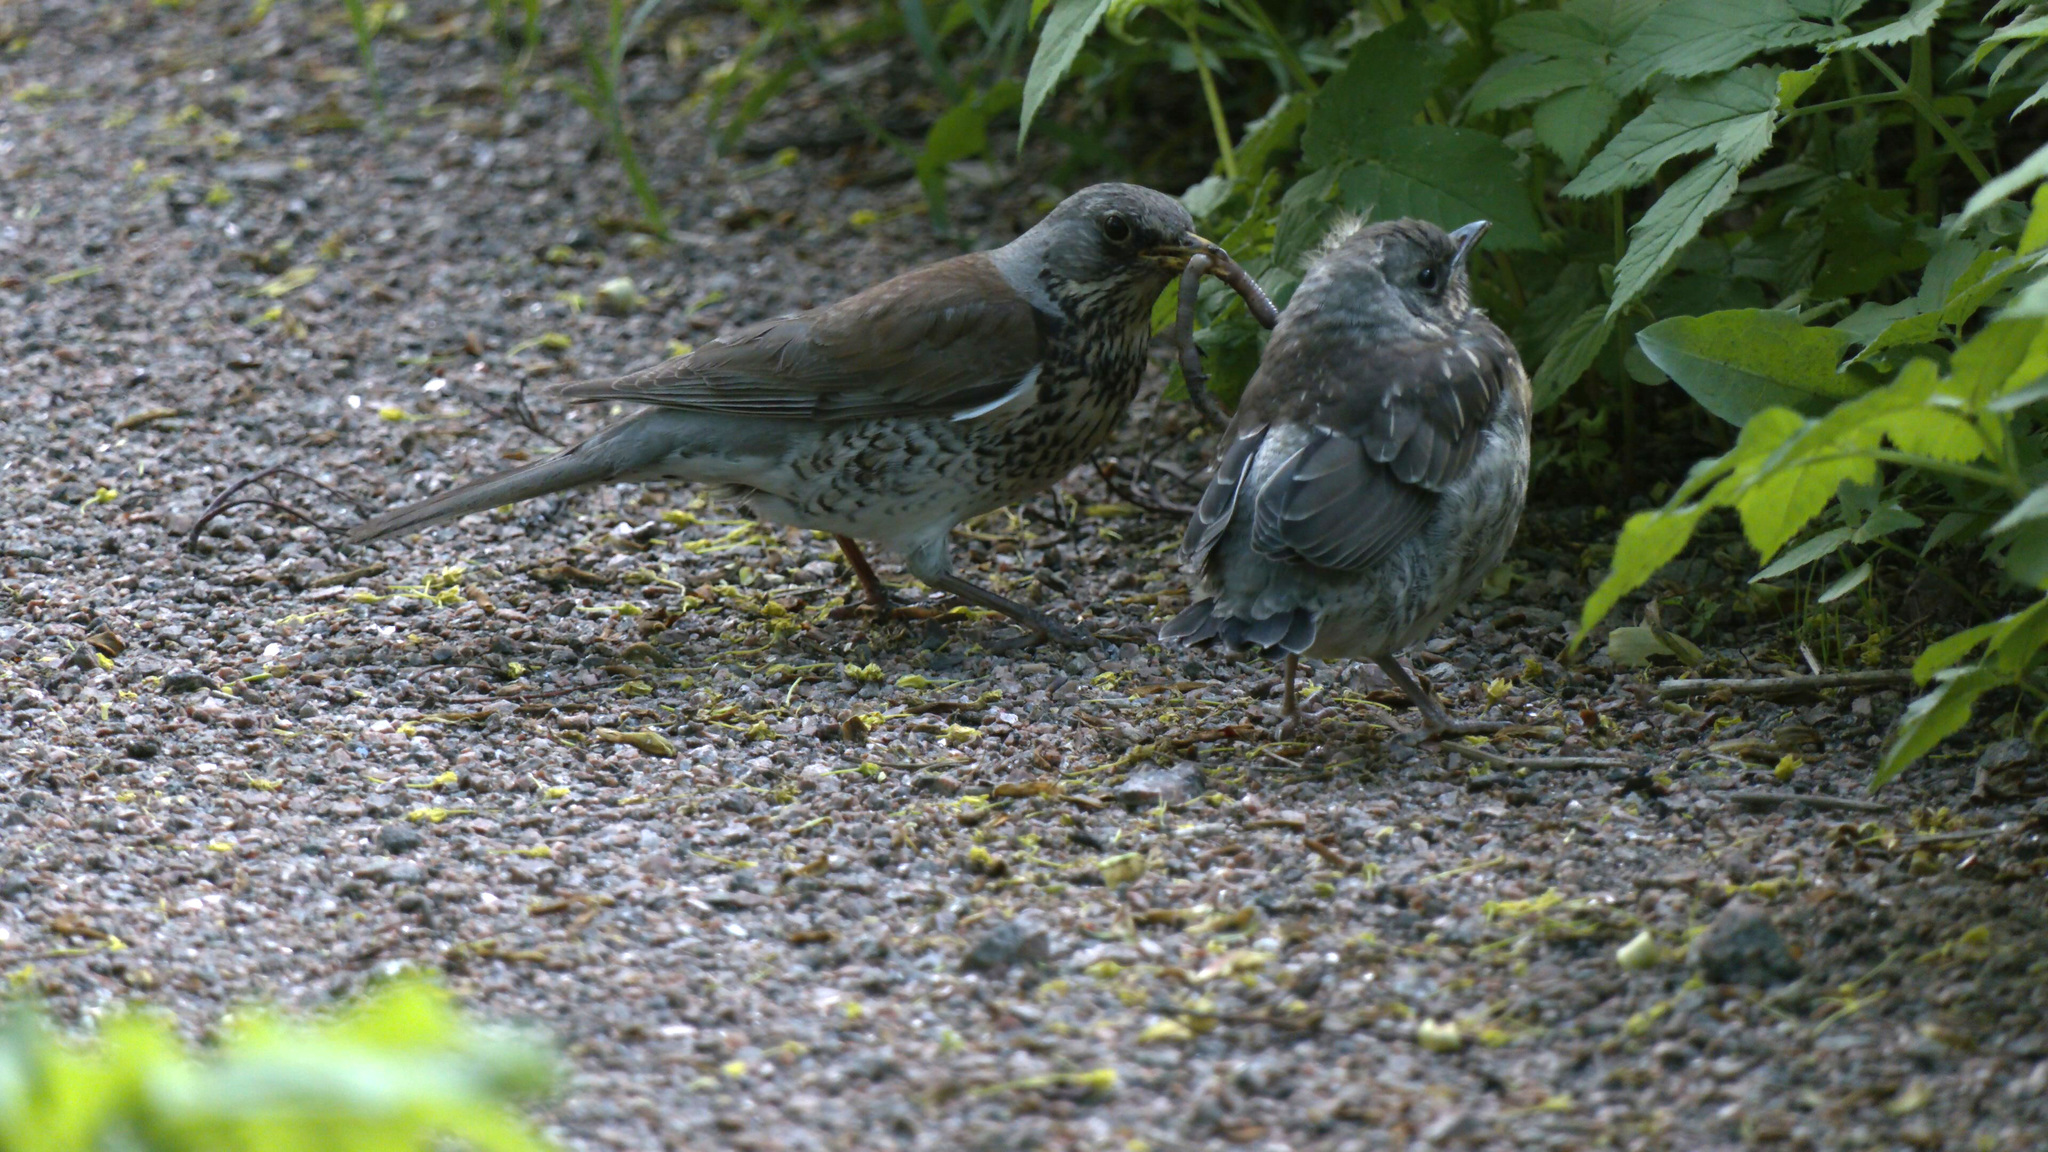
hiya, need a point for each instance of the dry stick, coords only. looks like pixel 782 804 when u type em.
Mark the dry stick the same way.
pixel 1536 763
pixel 1786 685
pixel 1773 799
pixel 226 500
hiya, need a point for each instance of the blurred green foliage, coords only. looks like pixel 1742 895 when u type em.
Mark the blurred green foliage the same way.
pixel 399 1070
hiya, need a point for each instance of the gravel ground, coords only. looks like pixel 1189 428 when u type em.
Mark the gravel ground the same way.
pixel 781 877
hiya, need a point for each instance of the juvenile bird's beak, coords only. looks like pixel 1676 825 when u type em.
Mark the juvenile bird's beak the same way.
pixel 1467 238
pixel 1175 256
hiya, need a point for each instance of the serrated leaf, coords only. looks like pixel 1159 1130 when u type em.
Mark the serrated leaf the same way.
pixel 1846 584
pixel 1824 544
pixel 1384 84
pixel 1734 115
pixel 1740 362
pixel 2019 639
pixel 1668 226
pixel 1648 541
pixel 1943 654
pixel 1574 351
pixel 1525 78
pixel 1931 718
pixel 1701 37
pixel 1636 647
pixel 1570 123
pixel 1915 23
pixel 1066 30
pixel 2019 176
pixel 1448 176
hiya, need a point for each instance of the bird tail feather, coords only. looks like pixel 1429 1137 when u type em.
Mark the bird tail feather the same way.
pixel 1293 630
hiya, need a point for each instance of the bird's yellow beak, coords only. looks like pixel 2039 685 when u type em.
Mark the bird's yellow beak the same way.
pixel 1175 256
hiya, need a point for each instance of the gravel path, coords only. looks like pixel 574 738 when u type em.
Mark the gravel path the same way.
pixel 780 877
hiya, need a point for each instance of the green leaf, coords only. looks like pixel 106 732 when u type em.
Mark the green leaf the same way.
pixel 1793 85
pixel 1943 653
pixel 1066 30
pixel 1274 132
pixel 1525 78
pixel 1846 584
pixel 2034 507
pixel 2019 639
pixel 2019 176
pixel 1570 123
pixel 1785 498
pixel 1306 209
pixel 1701 37
pixel 1734 115
pixel 1448 176
pixel 1931 718
pixel 1885 521
pixel 1668 226
pixel 1824 544
pixel 1571 354
pixel 1916 22
pixel 1739 363
pixel 1648 541
pixel 2026 557
pixel 1385 84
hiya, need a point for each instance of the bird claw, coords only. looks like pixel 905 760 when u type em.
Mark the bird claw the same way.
pixel 1056 633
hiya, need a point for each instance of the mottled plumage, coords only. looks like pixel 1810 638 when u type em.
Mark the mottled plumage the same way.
pixel 1375 469
pixel 896 413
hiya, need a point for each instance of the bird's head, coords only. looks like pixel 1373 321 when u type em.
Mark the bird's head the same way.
pixel 1398 276
pixel 1109 239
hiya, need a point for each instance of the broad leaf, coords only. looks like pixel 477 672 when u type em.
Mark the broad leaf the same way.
pixel 1701 37
pixel 1526 78
pixel 1942 654
pixel 1448 176
pixel 2018 641
pixel 1738 363
pixel 1670 225
pixel 1917 20
pixel 1648 541
pixel 1734 115
pixel 1570 123
pixel 1847 584
pixel 1385 83
pixel 1574 351
pixel 1824 544
pixel 1066 30
pixel 1932 718
pixel 2019 176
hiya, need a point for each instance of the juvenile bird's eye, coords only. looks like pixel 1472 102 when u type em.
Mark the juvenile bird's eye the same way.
pixel 1116 229
pixel 1427 278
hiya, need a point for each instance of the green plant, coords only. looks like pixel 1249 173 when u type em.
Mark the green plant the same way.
pixel 605 40
pixel 399 1070
pixel 1953 437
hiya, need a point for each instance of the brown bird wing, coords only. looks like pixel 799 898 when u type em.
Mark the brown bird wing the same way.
pixel 1391 425
pixel 939 341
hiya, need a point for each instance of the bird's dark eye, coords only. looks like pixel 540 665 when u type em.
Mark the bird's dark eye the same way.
pixel 1428 279
pixel 1116 229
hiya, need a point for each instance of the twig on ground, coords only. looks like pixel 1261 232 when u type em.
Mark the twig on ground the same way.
pixel 1787 685
pixel 519 412
pixel 226 500
pixel 1774 799
pixel 1537 763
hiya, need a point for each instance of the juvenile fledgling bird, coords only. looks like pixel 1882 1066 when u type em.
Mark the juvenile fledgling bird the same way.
pixel 893 415
pixel 1375 469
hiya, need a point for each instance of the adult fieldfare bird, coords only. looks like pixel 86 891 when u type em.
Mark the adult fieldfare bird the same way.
pixel 891 416
pixel 1375 469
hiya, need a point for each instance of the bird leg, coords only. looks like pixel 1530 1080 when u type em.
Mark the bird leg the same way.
pixel 1042 627
pixel 1435 721
pixel 877 593
pixel 1290 702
